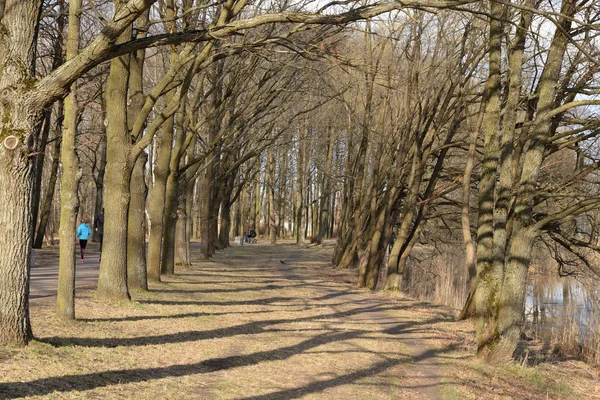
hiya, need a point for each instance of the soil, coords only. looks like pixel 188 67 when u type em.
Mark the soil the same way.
pixel 262 322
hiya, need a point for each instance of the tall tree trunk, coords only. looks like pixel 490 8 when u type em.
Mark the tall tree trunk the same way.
pixel 377 249
pixel 468 310
pixel 39 168
pixel 112 278
pixel 489 280
pixel 57 60
pixel 189 203
pixel 19 122
pixel 50 186
pixel 167 266
pixel 214 214
pixel 99 181
pixel 326 197
pixel 172 196
pixel 136 227
pixel 207 195
pixel 226 213
pixel 15 243
pixel 69 199
pixel 256 205
pixel 300 189
pixel 181 243
pixel 157 197
pixel 270 185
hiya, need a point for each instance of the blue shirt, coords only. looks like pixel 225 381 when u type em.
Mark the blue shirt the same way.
pixel 84 232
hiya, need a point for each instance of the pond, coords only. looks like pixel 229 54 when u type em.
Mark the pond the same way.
pixel 563 310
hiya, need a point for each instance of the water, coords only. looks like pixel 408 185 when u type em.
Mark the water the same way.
pixel 557 308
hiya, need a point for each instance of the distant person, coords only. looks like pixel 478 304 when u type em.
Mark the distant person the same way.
pixel 392 241
pixel 252 236
pixel 83 234
pixel 99 228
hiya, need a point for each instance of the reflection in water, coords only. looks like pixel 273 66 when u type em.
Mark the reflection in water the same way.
pixel 562 311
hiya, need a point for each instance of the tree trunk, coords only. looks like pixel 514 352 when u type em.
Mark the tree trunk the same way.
pixel 39 168
pixel 16 169
pixel 136 227
pixel 468 310
pixel 189 202
pixel 377 250
pixel 172 196
pixel 112 278
pixel 206 193
pixel 69 199
pixel 157 198
pixel 50 187
pixel 270 185
pixel 326 197
pixel 181 243
pixel 57 60
pixel 16 173
pixel 299 190
pixel 488 279
pixel 226 213
pixel 99 181
pixel 136 224
pixel 219 192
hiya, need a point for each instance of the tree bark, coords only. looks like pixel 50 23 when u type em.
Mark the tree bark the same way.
pixel 112 278
pixel 57 60
pixel 488 279
pixel 299 189
pixel 181 242
pixel 270 185
pixel 172 195
pixel 326 197
pixel 468 310
pixel 158 198
pixel 16 170
pixel 136 227
pixel 51 185
pixel 136 224
pixel 69 199
pixel 99 181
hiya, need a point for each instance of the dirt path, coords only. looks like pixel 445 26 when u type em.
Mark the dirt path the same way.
pixel 260 322
pixel 423 380
pixel 257 322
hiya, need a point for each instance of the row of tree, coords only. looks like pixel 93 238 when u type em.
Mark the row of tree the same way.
pixel 192 119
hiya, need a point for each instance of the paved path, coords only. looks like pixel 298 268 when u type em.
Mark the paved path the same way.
pixel 44 272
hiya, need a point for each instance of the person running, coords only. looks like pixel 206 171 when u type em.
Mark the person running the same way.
pixel 83 234
pixel 99 228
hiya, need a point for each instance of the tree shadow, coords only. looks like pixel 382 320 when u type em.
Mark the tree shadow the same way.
pixel 174 316
pixel 319 386
pixel 236 290
pixel 94 380
pixel 253 327
pixel 266 301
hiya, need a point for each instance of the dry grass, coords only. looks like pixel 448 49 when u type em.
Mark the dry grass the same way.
pixel 245 326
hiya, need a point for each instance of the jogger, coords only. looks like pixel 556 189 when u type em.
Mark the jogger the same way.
pixel 83 234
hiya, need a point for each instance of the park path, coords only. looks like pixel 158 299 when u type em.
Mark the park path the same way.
pixel 44 271
pixel 256 322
